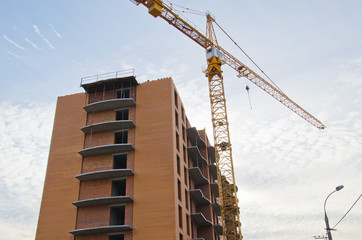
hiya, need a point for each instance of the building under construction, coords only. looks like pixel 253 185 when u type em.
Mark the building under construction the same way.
pixel 125 163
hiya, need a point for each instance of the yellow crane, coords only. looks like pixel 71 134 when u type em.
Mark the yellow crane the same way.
pixel 216 56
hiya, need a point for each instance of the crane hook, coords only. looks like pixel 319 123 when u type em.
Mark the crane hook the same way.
pixel 247 89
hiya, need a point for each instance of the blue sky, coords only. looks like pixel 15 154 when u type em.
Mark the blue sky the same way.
pixel 284 167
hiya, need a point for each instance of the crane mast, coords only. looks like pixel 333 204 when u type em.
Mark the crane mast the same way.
pixel 216 56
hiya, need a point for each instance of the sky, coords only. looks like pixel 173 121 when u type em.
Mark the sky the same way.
pixel 284 167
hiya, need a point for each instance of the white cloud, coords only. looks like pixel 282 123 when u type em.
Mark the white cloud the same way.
pixel 32 43
pixel 55 31
pixel 24 143
pixel 13 42
pixel 13 54
pixel 36 29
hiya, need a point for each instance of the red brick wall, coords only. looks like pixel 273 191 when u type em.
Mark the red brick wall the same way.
pixel 95 189
pixel 93 216
pixel 97 163
pixel 93 237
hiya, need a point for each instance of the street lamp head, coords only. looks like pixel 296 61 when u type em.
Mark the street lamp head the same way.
pixel 339 187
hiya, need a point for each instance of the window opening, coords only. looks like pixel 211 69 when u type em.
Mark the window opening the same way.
pixel 183 133
pixel 117 215
pixel 181 237
pixel 177 142
pixel 121 137
pixel 176 100
pixel 188 224
pixel 184 153
pixel 119 187
pixel 187 199
pixel 185 175
pixel 176 118
pixel 120 161
pixel 179 190
pixel 182 113
pixel 178 165
pixel 122 114
pixel 180 216
pixel 123 93
pixel 116 237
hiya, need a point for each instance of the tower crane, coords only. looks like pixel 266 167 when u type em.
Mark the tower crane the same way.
pixel 217 56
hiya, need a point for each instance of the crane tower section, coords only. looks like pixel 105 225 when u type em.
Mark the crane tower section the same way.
pixel 224 161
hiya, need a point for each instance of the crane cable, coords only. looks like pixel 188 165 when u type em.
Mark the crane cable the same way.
pixel 348 211
pixel 248 56
pixel 192 11
pixel 186 9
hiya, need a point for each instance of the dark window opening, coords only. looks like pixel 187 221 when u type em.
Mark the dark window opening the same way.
pixel 120 161
pixel 182 114
pixel 176 119
pixel 185 175
pixel 192 228
pixel 179 190
pixel 184 153
pixel 178 165
pixel 183 133
pixel 188 224
pixel 187 199
pixel 122 114
pixel 181 237
pixel 123 93
pixel 117 215
pixel 119 188
pixel 176 100
pixel 121 137
pixel 180 216
pixel 177 142
pixel 116 237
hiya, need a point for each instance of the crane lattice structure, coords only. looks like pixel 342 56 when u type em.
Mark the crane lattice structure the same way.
pixel 216 56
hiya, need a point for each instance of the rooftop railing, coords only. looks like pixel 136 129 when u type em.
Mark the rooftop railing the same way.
pixel 105 76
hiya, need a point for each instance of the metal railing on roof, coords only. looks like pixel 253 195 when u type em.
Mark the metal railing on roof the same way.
pixel 105 76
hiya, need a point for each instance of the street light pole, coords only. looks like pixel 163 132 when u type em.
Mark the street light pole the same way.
pixel 329 234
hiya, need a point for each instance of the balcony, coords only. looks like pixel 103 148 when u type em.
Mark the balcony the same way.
pixel 106 149
pixel 199 197
pixel 218 229
pixel 196 156
pixel 197 176
pixel 194 137
pixel 104 174
pixel 101 229
pixel 211 153
pixel 108 126
pixel 103 201
pixel 213 170
pixel 110 104
pixel 200 220
pixel 214 188
pixel 217 209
